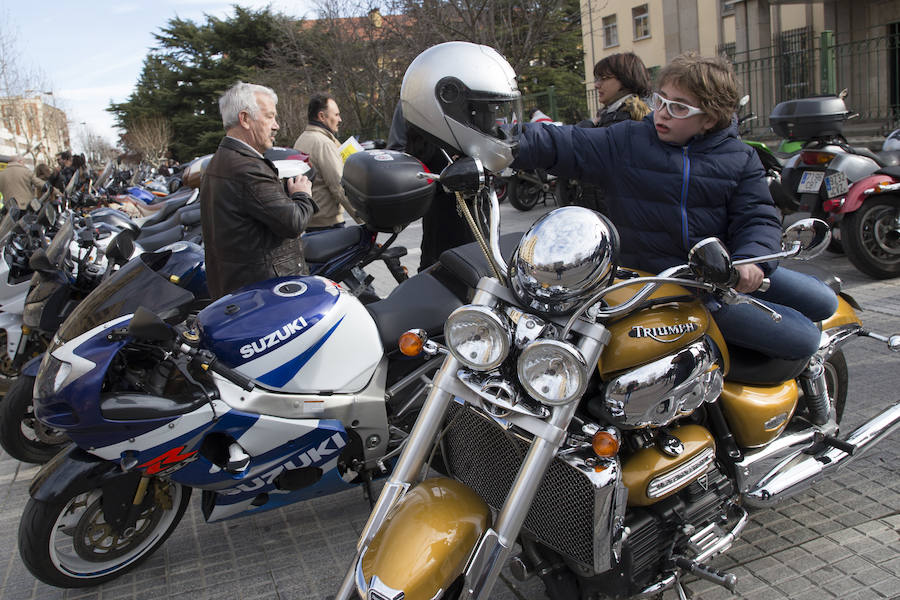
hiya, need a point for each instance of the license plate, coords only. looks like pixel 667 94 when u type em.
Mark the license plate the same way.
pixel 836 184
pixel 810 182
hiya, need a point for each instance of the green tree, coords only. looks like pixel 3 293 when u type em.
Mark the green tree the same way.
pixel 191 66
pixel 558 62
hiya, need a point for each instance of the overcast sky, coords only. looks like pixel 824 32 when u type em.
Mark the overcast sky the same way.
pixel 91 51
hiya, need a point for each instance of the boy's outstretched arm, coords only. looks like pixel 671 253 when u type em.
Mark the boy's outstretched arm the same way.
pixel 563 150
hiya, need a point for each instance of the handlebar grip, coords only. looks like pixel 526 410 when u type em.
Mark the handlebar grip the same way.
pixel 764 286
pixel 230 374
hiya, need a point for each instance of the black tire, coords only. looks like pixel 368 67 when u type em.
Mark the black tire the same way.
pixel 871 237
pixel 523 195
pixel 60 545
pixel 836 380
pixel 21 434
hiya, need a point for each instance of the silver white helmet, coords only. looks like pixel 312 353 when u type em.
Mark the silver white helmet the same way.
pixel 466 96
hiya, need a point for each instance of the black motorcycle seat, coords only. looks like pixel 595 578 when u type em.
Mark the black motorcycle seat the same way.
pixel 321 246
pixel 139 407
pixel 168 208
pixel 755 368
pixel 468 262
pixel 420 302
pixel 163 238
pixel 892 171
pixel 190 215
pixel 186 215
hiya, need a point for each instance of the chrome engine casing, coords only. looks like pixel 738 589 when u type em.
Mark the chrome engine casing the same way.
pixel 655 394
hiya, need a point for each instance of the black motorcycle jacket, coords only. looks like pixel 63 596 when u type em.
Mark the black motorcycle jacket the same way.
pixel 251 227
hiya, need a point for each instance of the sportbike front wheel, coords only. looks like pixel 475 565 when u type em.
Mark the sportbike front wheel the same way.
pixel 68 543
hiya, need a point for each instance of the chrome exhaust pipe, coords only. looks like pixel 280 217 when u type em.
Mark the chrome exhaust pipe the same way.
pixel 799 471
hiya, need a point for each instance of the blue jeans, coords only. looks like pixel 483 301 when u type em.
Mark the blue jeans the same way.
pixel 800 299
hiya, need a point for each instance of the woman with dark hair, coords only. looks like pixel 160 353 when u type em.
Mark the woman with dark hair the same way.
pixel 621 81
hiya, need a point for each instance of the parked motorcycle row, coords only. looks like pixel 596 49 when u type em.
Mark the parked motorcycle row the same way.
pixel 587 414
pixel 851 188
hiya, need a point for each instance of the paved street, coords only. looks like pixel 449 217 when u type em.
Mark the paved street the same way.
pixel 838 540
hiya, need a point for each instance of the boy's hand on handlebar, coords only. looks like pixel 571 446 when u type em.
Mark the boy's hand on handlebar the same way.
pixel 300 183
pixel 751 276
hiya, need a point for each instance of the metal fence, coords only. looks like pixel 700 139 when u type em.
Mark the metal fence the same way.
pixel 801 64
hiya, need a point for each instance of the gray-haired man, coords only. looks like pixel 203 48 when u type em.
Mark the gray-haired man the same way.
pixel 251 227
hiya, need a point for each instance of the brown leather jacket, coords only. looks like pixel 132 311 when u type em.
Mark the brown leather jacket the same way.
pixel 251 228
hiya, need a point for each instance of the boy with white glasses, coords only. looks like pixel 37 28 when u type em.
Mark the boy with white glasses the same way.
pixel 682 175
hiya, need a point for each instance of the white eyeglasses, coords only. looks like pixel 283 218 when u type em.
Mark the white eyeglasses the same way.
pixel 677 110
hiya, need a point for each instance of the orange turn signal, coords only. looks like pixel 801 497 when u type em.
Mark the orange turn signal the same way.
pixel 605 444
pixel 411 343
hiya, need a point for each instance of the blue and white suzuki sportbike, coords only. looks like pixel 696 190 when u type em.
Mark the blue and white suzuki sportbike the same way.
pixel 279 392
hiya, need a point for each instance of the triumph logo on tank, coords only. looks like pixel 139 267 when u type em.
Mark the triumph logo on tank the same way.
pixel 287 331
pixel 313 456
pixel 664 331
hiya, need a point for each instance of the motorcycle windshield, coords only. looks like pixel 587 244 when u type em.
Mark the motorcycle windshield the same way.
pixel 6 225
pixel 57 249
pixel 44 284
pixel 137 284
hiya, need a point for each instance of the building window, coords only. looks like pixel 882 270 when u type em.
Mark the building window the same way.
pixel 610 32
pixel 641 17
pixel 727 7
pixel 795 63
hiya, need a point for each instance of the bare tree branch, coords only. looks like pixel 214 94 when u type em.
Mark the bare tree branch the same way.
pixel 150 137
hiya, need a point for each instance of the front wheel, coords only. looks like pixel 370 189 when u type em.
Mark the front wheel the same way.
pixel 68 543
pixel 21 434
pixel 871 237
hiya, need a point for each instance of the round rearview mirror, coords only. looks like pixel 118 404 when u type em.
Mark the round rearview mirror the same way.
pixel 807 237
pixel 709 259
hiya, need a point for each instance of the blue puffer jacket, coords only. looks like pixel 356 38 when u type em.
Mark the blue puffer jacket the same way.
pixel 662 198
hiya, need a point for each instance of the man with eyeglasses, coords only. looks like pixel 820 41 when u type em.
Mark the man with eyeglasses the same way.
pixel 681 175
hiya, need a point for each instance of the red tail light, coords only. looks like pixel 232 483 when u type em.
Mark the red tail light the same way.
pixel 816 157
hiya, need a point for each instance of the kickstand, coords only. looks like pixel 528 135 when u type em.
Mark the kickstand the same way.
pixel 367 487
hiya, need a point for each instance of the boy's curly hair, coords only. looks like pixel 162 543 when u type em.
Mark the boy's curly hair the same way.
pixel 710 78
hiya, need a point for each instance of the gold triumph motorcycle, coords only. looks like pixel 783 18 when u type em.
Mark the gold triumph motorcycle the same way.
pixel 618 442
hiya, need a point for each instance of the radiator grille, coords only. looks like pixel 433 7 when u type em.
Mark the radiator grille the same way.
pixel 486 458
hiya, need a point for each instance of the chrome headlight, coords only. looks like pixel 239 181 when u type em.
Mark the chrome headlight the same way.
pixel 563 259
pixel 553 372
pixel 478 336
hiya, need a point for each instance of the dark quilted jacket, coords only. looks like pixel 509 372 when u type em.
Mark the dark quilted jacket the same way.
pixel 663 198
pixel 251 228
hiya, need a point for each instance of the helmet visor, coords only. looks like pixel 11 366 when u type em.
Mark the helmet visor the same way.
pixel 496 117
pixel 490 113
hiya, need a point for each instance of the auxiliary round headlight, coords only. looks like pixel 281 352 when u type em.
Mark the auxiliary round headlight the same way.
pixel 478 336
pixel 552 372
